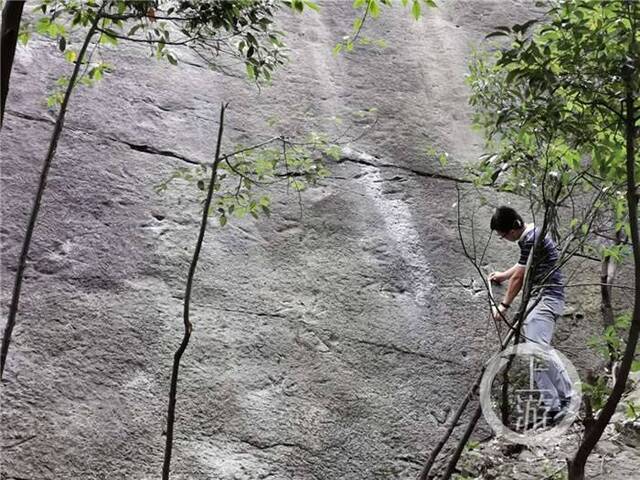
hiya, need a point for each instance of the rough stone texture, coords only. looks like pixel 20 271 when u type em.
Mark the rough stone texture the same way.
pixel 615 457
pixel 331 345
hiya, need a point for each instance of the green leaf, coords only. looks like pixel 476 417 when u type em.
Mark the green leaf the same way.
pixel 108 37
pixel 415 9
pixel 374 9
pixel 95 73
pixel 223 220
pixel 635 366
pixel 70 56
pixel 312 5
pixel 23 37
pixel 134 29
pixel 264 201
pixel 42 25
pixel 251 71
pixel 298 185
pixel 55 29
pixel 632 410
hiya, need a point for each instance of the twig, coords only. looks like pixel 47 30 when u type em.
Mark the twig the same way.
pixel 364 18
pixel 166 467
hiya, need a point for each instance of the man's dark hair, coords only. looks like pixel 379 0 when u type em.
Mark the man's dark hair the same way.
pixel 505 219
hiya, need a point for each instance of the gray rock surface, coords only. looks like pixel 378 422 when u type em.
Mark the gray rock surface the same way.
pixel 330 345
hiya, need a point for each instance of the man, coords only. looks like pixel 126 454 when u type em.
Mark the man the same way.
pixel 549 283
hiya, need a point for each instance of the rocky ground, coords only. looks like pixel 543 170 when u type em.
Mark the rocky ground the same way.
pixel 616 456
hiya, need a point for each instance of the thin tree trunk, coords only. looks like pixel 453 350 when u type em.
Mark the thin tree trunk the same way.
pixel 452 425
pixel 461 444
pixel 504 391
pixel 166 467
pixel 11 15
pixel 576 465
pixel 607 271
pixel 26 244
pixel 607 276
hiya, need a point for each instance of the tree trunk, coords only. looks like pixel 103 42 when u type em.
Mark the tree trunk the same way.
pixel 11 15
pixel 171 412
pixel 26 243
pixel 424 474
pixel 607 268
pixel 607 272
pixel 592 435
pixel 451 467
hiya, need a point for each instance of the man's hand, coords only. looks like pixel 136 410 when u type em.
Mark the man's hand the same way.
pixel 497 277
pixel 498 313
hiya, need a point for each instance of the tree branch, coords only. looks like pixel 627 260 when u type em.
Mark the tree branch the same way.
pixel 166 467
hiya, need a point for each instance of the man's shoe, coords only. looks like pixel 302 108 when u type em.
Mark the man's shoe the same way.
pixel 557 416
pixel 564 403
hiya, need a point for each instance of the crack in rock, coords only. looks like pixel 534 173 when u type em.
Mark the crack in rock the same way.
pixel 404 351
pixel 18 443
pixel 32 118
pixel 409 459
pixel 134 146
pixel 155 151
pixel 231 310
pixel 350 155
pixel 265 446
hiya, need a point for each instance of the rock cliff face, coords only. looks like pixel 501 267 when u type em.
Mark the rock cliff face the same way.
pixel 327 345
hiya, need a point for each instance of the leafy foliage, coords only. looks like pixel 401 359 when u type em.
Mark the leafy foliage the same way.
pixel 372 9
pixel 598 391
pixel 549 97
pixel 567 74
pixel 611 344
pixel 632 411
pixel 218 31
pixel 244 175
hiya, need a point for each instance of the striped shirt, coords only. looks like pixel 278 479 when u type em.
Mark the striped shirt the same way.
pixel 554 282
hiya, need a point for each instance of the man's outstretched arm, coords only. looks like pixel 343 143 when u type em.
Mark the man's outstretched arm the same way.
pixel 515 284
pixel 499 277
pixel 516 280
